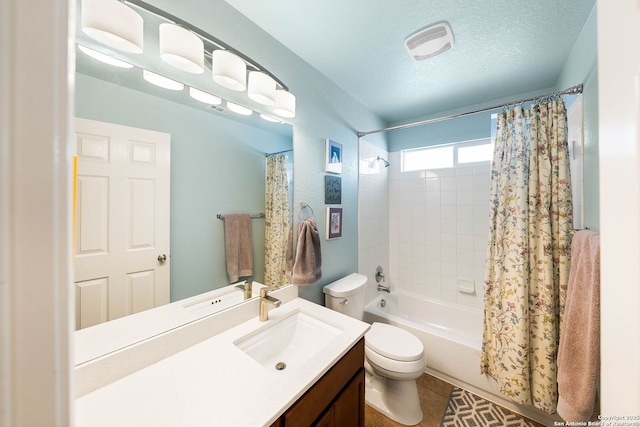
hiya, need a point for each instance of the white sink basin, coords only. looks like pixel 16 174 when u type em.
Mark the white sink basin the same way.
pixel 287 343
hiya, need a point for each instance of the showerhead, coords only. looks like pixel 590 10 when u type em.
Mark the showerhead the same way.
pixel 386 163
pixel 373 162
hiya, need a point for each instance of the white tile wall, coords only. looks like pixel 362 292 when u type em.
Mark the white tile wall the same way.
pixel 438 222
pixel 427 229
pixel 373 215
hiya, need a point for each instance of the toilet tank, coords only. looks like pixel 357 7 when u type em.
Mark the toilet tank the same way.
pixel 347 295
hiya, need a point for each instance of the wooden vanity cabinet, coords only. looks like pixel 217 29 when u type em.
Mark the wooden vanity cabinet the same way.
pixel 336 400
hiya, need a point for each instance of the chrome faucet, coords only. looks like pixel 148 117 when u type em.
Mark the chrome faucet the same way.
pixel 246 287
pixel 265 300
pixel 380 278
pixel 383 288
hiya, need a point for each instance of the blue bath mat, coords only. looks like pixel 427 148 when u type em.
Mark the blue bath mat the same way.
pixel 465 409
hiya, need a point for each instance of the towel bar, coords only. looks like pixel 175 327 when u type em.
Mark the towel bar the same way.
pixel 257 215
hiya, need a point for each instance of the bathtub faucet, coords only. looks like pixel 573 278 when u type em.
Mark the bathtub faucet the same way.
pixel 383 288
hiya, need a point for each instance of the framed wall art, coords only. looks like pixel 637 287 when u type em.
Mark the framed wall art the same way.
pixel 332 190
pixel 334 223
pixel 333 156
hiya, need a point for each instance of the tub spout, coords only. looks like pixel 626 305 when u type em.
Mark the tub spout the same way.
pixel 383 288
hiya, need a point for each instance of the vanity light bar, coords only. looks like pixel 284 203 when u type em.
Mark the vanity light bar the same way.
pixel 229 66
pixel 167 83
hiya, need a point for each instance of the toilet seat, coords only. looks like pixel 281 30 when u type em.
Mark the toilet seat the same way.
pixel 395 368
pixel 393 343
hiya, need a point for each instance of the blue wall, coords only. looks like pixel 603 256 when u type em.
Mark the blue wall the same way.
pixel 217 166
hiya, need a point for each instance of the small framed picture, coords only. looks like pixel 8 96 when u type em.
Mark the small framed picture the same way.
pixel 333 157
pixel 334 223
pixel 332 190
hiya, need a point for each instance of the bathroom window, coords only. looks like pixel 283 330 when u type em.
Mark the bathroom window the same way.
pixel 475 153
pixel 447 156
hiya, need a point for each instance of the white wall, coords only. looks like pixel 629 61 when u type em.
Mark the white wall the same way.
pixel 373 216
pixel 439 230
pixel 619 155
pixel 35 214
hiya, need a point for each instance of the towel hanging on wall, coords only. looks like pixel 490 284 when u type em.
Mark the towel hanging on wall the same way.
pixel 307 268
pixel 237 245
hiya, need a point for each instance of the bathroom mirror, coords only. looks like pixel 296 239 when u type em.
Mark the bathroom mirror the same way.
pixel 218 158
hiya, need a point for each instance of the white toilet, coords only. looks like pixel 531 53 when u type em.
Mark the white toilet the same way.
pixel 394 358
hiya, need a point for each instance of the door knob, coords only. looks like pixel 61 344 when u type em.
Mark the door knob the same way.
pixel 162 257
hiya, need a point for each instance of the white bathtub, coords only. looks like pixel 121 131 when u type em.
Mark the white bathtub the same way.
pixel 452 339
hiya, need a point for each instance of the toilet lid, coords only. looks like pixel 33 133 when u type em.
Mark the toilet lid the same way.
pixel 393 342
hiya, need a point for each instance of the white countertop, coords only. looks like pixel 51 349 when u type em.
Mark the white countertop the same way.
pixel 214 383
pixel 96 341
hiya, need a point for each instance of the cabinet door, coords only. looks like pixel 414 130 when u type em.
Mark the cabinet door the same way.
pixel 349 407
pixel 327 420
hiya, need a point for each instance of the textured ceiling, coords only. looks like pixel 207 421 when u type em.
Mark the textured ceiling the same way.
pixel 502 47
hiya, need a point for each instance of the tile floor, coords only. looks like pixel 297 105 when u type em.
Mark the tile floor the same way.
pixel 434 399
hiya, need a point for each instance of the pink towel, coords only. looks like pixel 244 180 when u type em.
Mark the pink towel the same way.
pixel 307 268
pixel 237 242
pixel 579 350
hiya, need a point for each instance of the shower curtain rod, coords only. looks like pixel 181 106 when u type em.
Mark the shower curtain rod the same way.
pixel 279 152
pixel 571 91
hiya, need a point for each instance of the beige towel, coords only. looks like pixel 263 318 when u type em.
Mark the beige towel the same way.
pixel 579 350
pixel 289 255
pixel 307 268
pixel 237 244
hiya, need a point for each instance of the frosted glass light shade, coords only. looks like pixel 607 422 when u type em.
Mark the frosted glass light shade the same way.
pixel 285 105
pixel 229 70
pixel 262 88
pixel 205 97
pixel 181 48
pixel 239 109
pixel 161 81
pixel 113 23
pixel 107 59
pixel 269 118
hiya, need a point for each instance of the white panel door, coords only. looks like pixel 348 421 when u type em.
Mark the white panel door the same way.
pixel 122 221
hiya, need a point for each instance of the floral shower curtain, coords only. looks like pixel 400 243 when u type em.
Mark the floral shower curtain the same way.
pixel 277 219
pixel 531 224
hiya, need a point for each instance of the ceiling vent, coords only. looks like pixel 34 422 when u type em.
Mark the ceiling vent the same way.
pixel 429 42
